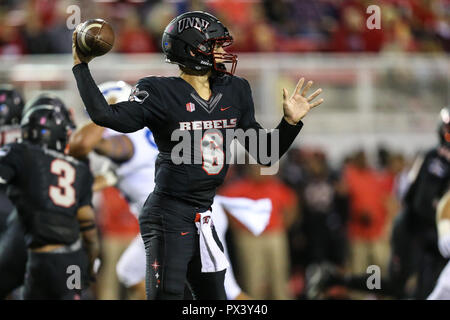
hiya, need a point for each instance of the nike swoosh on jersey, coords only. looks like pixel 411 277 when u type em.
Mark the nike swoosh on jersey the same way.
pixel 184 233
pixel 223 109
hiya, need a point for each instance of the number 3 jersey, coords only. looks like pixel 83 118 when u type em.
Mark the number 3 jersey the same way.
pixel 170 107
pixel 49 188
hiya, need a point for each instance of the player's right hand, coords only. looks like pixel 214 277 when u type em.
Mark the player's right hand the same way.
pixel 78 56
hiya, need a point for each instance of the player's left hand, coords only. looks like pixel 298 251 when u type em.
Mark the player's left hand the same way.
pixel 298 105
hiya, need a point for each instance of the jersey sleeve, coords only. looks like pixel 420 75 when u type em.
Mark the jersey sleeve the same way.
pixel 127 116
pixel 10 160
pixel 146 93
pixel 287 132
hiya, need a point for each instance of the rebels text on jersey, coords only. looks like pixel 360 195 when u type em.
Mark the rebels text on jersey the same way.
pixel 169 104
pixel 49 188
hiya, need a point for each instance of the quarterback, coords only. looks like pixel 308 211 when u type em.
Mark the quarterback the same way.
pixel 176 226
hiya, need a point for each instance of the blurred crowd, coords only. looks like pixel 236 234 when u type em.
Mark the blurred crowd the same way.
pixel 40 26
pixel 327 216
pixel 345 214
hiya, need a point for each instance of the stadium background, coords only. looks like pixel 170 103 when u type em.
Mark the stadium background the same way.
pixel 383 88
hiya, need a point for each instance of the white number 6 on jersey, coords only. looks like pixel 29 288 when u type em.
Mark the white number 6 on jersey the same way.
pixel 212 153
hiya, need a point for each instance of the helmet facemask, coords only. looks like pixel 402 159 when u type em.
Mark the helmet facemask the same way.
pixel 219 59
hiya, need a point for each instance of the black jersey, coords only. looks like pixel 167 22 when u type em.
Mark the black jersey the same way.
pixel 49 188
pixel 430 185
pixel 170 104
pixel 8 134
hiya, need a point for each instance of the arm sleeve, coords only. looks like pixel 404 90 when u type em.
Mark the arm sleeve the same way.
pixel 287 132
pixel 127 116
pixel 9 161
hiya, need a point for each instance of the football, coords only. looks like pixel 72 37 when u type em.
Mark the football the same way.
pixel 95 37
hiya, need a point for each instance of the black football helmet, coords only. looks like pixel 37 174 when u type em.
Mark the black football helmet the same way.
pixel 11 106
pixel 444 127
pixel 189 41
pixel 46 121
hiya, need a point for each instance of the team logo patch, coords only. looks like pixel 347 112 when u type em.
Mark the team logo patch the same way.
pixel 190 107
pixel 138 95
pixel 155 265
pixel 206 219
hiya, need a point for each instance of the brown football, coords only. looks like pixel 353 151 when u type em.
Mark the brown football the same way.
pixel 95 37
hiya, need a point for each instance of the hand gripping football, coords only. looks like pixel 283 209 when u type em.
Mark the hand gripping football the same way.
pixel 95 37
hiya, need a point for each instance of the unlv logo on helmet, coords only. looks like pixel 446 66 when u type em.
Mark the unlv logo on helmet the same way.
pixel 192 22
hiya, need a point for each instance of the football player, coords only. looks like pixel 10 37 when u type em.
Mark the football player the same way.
pixel 414 239
pixel 442 289
pixel 428 187
pixel 13 253
pixel 11 106
pixel 135 155
pixel 208 99
pixel 53 199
